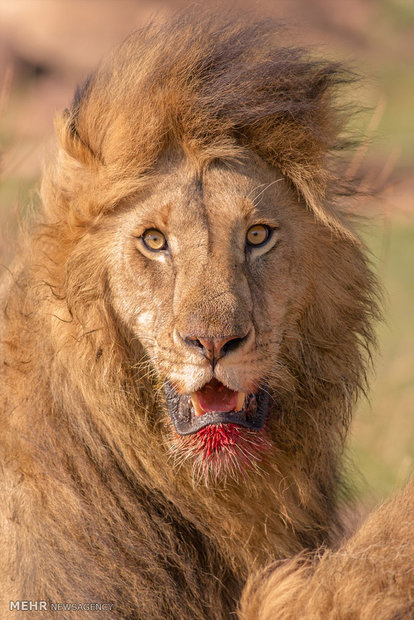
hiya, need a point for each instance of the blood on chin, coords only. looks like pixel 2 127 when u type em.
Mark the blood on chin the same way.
pixel 220 451
pixel 210 441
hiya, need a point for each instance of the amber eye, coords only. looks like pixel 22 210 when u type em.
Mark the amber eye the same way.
pixel 154 240
pixel 258 235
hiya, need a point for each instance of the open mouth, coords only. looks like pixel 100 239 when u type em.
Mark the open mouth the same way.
pixel 215 404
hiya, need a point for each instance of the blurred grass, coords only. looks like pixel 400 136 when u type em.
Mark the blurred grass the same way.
pixel 382 443
pixel 397 126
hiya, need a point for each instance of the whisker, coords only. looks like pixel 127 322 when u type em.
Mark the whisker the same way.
pixel 264 189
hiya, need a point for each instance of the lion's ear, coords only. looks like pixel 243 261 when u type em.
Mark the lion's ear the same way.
pixel 313 184
pixel 298 127
pixel 78 185
pixel 70 177
pixel 71 142
pixel 318 185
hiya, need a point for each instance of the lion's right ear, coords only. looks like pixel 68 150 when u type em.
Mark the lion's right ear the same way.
pixel 71 142
pixel 78 184
pixel 71 176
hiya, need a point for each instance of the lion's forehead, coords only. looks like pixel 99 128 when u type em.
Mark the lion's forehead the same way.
pixel 194 205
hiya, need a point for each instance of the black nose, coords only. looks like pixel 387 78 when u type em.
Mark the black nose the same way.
pixel 214 348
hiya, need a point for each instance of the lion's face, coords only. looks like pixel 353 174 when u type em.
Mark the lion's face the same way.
pixel 208 270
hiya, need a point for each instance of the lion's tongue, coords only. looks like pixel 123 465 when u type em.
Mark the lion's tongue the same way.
pixel 215 396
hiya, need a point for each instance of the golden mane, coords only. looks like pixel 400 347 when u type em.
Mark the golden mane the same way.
pixel 197 83
pixel 97 508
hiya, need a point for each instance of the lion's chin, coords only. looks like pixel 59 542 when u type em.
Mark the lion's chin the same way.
pixel 221 451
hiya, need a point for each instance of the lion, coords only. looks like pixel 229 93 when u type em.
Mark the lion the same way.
pixel 185 333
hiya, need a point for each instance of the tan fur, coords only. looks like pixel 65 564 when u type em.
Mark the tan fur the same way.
pixel 201 129
pixel 370 576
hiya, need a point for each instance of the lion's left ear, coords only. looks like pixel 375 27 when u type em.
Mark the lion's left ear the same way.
pixel 313 183
pixel 318 186
pixel 302 137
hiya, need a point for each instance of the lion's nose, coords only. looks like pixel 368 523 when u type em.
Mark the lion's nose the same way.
pixel 215 348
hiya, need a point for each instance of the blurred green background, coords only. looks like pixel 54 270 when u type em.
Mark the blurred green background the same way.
pixel 48 46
